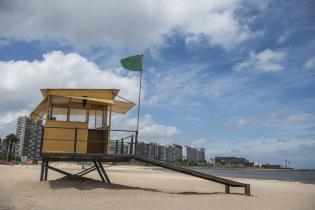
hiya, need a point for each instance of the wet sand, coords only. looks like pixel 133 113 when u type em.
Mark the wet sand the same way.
pixel 136 187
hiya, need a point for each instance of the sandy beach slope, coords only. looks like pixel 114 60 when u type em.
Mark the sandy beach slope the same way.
pixel 142 188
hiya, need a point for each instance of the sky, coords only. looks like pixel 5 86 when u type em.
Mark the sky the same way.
pixel 236 77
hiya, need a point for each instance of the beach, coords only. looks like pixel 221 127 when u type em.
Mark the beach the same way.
pixel 137 187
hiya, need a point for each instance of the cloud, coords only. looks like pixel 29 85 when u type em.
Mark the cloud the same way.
pixel 199 142
pixel 293 119
pixel 21 80
pixel 240 122
pixel 149 130
pixel 139 24
pixel 8 121
pixel 10 117
pixel 265 61
pixel 173 86
pixel 194 85
pixel 310 63
pixel 281 119
pixel 283 37
pixel 3 42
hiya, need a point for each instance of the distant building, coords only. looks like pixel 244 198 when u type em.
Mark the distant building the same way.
pixel 231 160
pixel 162 153
pixel 152 150
pixel 29 135
pixel 192 154
pixel 271 166
pixel 171 152
pixel 200 155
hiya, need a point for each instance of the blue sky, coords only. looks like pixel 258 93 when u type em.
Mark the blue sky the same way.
pixel 235 77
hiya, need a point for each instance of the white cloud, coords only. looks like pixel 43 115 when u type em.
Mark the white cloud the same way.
pixel 199 142
pixel 265 61
pixel 8 121
pixel 149 130
pixel 282 119
pixel 21 80
pixel 138 24
pixel 11 117
pixel 310 63
pixel 173 86
pixel 240 122
pixel 293 119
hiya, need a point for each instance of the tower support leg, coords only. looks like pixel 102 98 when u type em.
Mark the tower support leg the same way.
pixel 104 172
pixel 42 171
pixel 46 170
pixel 99 171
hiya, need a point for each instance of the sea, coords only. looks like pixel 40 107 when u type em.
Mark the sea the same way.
pixel 290 175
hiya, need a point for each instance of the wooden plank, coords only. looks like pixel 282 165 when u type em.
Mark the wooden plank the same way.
pixel 191 172
pixel 85 171
pixel 59 171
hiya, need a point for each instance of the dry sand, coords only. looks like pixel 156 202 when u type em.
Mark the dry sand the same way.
pixel 142 188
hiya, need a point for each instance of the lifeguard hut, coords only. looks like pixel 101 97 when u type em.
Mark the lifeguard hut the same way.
pixel 78 120
pixel 77 127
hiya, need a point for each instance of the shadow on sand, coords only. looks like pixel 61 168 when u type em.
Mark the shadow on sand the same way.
pixel 84 183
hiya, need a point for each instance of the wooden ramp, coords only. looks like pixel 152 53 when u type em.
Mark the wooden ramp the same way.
pixel 228 183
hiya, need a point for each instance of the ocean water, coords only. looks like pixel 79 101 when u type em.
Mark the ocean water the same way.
pixel 303 176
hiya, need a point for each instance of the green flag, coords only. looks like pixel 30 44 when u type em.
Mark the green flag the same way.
pixel 133 63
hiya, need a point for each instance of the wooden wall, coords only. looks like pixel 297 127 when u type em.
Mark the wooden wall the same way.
pixel 59 137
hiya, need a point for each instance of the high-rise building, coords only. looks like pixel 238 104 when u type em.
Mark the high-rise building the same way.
pixel 174 153
pixel 192 154
pixel 171 152
pixel 162 152
pixel 29 137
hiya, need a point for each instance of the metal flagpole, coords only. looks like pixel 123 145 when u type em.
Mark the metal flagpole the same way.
pixel 139 100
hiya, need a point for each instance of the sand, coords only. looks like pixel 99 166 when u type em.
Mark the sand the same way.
pixel 142 188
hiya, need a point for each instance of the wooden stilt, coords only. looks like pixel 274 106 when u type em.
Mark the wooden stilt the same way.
pixel 104 173
pixel 46 170
pixel 99 172
pixel 227 189
pixel 247 189
pixel 42 171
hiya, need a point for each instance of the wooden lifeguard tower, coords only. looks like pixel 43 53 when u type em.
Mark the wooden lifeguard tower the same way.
pixel 78 120
pixel 77 127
